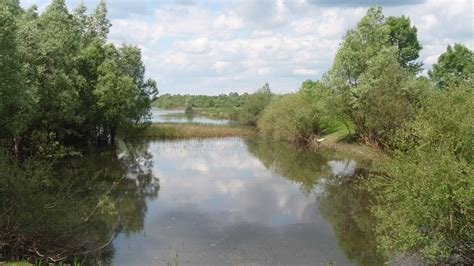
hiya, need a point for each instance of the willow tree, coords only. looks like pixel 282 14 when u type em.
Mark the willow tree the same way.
pixel 454 67
pixel 14 98
pixel 360 50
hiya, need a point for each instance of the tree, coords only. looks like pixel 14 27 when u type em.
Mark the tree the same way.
pixel 254 105
pixel 115 94
pixel 404 37
pixel 58 75
pixel 131 64
pixel 362 50
pixel 82 19
pixel 99 24
pixel 424 191
pixel 454 66
pixel 59 43
pixel 360 44
pixel 387 96
pixel 292 118
pixel 14 98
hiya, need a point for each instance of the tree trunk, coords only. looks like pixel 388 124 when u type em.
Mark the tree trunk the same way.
pixel 15 147
pixel 113 132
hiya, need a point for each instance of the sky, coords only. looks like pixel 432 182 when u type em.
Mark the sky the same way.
pixel 218 46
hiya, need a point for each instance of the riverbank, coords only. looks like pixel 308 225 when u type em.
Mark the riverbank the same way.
pixel 338 140
pixel 218 113
pixel 183 131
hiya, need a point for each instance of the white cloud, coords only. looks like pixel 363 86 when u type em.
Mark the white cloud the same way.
pixel 199 45
pixel 305 72
pixel 217 47
pixel 228 21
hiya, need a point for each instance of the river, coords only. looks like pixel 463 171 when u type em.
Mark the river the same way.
pixel 230 201
pixel 178 116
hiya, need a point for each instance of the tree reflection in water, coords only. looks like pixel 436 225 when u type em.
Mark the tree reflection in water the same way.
pixel 334 179
pixel 77 208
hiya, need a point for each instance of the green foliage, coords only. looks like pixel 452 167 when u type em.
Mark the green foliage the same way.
pixel 60 78
pixel 425 191
pixel 359 45
pixel 189 107
pixel 454 66
pixel 15 101
pixel 51 213
pixel 254 105
pixel 373 75
pixel 387 96
pixel 403 36
pixel 178 101
pixel 296 117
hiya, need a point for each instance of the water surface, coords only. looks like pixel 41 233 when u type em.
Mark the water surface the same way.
pixel 178 116
pixel 235 202
pixel 218 201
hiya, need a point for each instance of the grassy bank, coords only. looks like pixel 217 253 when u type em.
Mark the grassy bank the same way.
pixel 173 130
pixel 220 113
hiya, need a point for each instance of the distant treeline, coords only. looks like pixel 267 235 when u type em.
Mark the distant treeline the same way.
pixel 179 101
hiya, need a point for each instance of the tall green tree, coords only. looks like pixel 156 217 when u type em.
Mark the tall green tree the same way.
pixel 387 96
pixel 115 94
pixel 360 44
pixel 59 77
pixel 99 24
pixel 59 43
pixel 254 105
pixel 404 36
pixel 14 98
pixel 131 64
pixel 356 60
pixel 454 66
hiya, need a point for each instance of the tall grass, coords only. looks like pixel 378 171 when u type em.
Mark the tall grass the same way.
pixel 170 130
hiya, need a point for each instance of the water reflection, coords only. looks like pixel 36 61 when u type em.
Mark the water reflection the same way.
pixel 223 202
pixel 178 116
pixel 341 199
pixel 230 201
pixel 124 182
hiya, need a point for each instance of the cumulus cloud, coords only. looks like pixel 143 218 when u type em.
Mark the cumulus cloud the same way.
pixel 365 2
pixel 215 47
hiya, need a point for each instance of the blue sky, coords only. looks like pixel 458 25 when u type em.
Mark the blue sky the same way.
pixel 213 47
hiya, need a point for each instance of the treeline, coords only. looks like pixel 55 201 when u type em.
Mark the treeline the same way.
pixel 61 83
pixel 179 101
pixel 424 190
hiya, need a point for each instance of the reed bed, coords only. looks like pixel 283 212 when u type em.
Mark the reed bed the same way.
pixel 174 130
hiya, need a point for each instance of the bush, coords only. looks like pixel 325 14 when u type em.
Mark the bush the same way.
pixel 385 97
pixel 298 117
pixel 254 106
pixel 425 192
pixel 290 118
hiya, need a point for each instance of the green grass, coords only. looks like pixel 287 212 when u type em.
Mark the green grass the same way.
pixel 16 263
pixel 340 137
pixel 175 130
pixel 220 112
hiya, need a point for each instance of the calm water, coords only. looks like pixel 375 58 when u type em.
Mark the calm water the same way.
pixel 230 201
pixel 178 116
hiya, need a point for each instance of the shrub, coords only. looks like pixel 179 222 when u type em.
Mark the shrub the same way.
pixel 298 117
pixel 290 118
pixel 254 106
pixel 425 192
pixel 385 97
